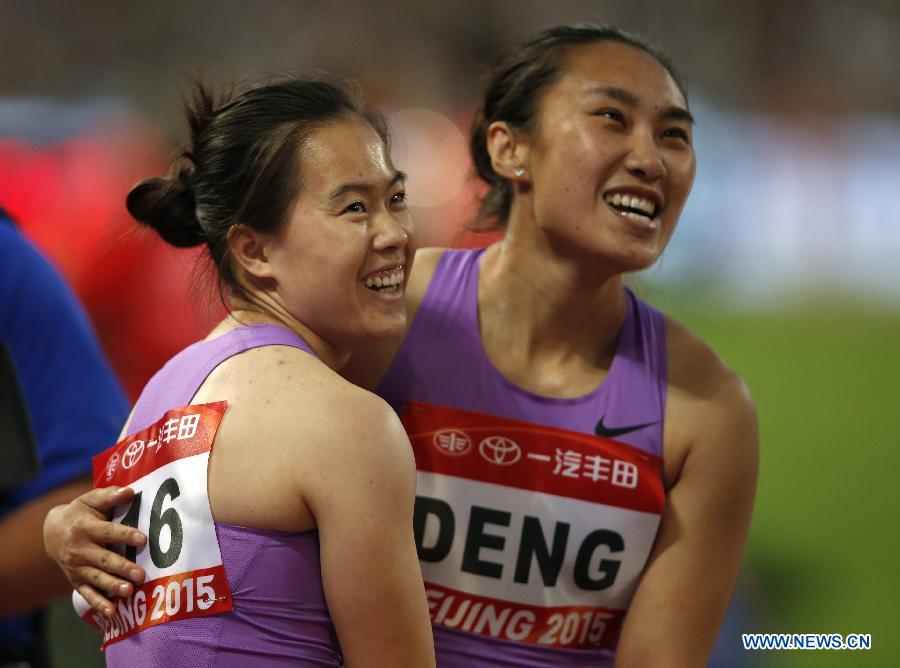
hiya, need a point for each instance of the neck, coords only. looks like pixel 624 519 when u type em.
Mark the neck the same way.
pixel 544 303
pixel 246 312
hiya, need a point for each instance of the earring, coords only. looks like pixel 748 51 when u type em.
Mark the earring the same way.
pixel 519 171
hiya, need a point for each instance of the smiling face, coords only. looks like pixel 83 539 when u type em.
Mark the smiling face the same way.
pixel 609 157
pixel 339 261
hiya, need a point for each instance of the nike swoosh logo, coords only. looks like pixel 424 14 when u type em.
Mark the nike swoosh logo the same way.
pixel 612 432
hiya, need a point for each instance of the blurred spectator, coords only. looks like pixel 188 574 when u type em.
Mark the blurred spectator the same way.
pixel 76 407
pixel 145 301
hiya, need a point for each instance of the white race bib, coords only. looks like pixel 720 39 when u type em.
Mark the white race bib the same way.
pixel 527 532
pixel 166 464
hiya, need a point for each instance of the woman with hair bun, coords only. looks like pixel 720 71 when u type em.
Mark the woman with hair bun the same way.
pixel 311 487
pixel 586 465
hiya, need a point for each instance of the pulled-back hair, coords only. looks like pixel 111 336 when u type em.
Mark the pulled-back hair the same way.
pixel 514 89
pixel 242 165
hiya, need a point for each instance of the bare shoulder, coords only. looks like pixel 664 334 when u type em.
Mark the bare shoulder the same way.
pixel 267 380
pixel 708 407
pixel 365 450
pixel 362 423
pixel 357 455
pixel 297 398
pixel 696 372
pixel 307 434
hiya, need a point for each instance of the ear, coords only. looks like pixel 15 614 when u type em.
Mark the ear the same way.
pixel 249 251
pixel 508 150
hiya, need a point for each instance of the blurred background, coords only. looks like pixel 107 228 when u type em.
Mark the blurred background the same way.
pixel 787 258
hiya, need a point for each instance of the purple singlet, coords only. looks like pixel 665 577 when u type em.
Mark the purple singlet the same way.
pixel 534 515
pixel 280 616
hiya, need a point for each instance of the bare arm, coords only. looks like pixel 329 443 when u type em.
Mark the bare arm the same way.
pixel 363 500
pixel 28 579
pixel 686 586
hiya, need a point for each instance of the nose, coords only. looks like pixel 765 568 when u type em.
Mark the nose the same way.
pixel 392 231
pixel 644 159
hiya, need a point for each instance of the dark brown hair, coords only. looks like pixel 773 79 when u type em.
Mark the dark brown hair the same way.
pixel 514 90
pixel 242 165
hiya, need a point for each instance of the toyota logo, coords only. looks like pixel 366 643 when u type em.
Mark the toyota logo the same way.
pixel 133 454
pixel 500 450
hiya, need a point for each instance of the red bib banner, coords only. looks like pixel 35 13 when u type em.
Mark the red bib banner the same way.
pixel 166 464
pixel 527 532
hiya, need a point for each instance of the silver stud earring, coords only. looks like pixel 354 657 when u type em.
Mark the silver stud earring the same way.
pixel 519 171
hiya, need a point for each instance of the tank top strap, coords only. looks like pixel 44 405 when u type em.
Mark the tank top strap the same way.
pixel 454 286
pixel 178 381
pixel 636 388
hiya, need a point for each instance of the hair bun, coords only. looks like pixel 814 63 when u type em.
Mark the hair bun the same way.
pixel 167 205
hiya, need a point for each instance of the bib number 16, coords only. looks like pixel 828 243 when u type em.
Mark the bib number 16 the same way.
pixel 165 525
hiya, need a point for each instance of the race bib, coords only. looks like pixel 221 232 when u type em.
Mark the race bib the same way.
pixel 166 464
pixel 526 532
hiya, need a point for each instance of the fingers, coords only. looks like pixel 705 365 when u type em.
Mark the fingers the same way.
pixel 103 531
pixel 74 536
pixel 96 600
pixel 105 499
pixel 112 564
pixel 101 581
pixel 83 544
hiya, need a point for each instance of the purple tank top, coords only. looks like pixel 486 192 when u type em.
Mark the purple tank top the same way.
pixel 280 616
pixel 531 529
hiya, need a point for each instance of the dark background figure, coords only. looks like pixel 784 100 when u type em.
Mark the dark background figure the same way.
pixel 76 408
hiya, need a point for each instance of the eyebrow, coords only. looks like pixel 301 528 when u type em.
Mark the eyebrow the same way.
pixel 365 187
pixel 629 99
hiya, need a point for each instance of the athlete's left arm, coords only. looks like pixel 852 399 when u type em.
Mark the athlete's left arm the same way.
pixel 711 453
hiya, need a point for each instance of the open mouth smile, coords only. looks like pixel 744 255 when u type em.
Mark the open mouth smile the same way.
pixel 634 207
pixel 386 281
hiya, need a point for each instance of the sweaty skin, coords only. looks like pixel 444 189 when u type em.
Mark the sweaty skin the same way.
pixel 551 303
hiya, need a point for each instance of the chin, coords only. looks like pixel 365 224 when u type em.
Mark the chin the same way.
pixel 629 259
pixel 635 254
pixel 386 328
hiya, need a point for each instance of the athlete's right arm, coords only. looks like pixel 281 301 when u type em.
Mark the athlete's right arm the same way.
pixel 361 491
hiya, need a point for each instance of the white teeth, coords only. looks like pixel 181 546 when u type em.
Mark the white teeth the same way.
pixel 389 280
pixel 632 202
